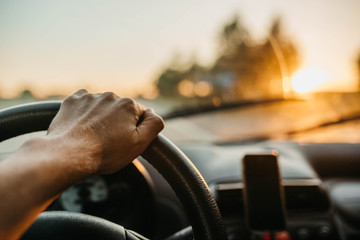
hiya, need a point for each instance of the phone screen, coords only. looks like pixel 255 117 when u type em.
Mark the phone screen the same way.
pixel 263 193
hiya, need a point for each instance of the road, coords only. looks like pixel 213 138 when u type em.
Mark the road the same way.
pixel 295 120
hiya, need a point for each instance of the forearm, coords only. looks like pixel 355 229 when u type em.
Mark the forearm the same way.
pixel 36 174
pixel 91 133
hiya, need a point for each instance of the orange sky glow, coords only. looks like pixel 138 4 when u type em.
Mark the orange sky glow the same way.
pixel 56 47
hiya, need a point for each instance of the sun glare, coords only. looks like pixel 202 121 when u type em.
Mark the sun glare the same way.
pixel 308 79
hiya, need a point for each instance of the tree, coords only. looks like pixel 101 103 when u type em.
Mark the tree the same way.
pixel 358 67
pixel 234 37
pixel 168 81
pixel 259 68
pixel 245 69
pixel 279 58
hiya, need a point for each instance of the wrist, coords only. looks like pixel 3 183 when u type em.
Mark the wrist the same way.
pixel 77 157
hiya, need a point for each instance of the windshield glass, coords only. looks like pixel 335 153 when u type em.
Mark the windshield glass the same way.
pixel 218 71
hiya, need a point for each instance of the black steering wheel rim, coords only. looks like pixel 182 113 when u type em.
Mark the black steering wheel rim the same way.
pixel 188 184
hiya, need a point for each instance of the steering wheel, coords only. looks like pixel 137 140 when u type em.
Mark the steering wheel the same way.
pixel 187 182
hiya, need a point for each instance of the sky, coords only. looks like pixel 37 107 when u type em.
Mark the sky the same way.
pixel 56 47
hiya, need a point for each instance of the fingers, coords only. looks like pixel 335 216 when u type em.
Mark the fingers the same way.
pixel 120 128
pixel 148 123
pixel 69 100
pixel 150 126
pixel 80 92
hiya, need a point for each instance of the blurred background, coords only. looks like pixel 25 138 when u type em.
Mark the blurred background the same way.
pixel 294 63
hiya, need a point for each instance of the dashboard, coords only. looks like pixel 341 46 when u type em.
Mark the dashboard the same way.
pixel 125 198
pixel 321 187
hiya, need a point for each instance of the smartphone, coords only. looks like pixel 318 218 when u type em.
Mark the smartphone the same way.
pixel 263 193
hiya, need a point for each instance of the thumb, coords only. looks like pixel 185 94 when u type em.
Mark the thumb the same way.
pixel 150 126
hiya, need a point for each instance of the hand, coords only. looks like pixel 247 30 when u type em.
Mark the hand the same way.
pixel 92 133
pixel 115 130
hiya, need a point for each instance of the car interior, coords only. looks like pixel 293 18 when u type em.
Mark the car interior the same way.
pixel 260 142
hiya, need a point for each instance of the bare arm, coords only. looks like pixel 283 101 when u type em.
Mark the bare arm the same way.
pixel 90 134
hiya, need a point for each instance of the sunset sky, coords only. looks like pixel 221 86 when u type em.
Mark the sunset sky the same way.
pixel 56 47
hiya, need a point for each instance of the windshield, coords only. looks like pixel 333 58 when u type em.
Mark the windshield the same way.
pixel 217 71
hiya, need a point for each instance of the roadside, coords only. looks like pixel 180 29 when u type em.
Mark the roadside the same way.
pixel 329 116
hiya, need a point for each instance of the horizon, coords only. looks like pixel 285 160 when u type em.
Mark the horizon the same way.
pixel 55 48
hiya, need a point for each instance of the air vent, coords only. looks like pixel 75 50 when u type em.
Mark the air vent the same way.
pixel 302 195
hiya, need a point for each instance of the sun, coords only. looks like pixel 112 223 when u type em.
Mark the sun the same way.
pixel 308 79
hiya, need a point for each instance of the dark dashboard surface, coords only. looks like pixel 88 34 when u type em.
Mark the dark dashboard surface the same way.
pixel 322 202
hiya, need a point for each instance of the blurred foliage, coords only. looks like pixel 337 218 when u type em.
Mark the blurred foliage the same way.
pixel 168 80
pixel 358 68
pixel 245 69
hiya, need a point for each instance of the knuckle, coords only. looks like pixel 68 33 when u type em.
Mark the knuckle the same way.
pixel 81 91
pixel 76 101
pixel 108 96
pixel 128 103
pixel 69 100
pixel 87 96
